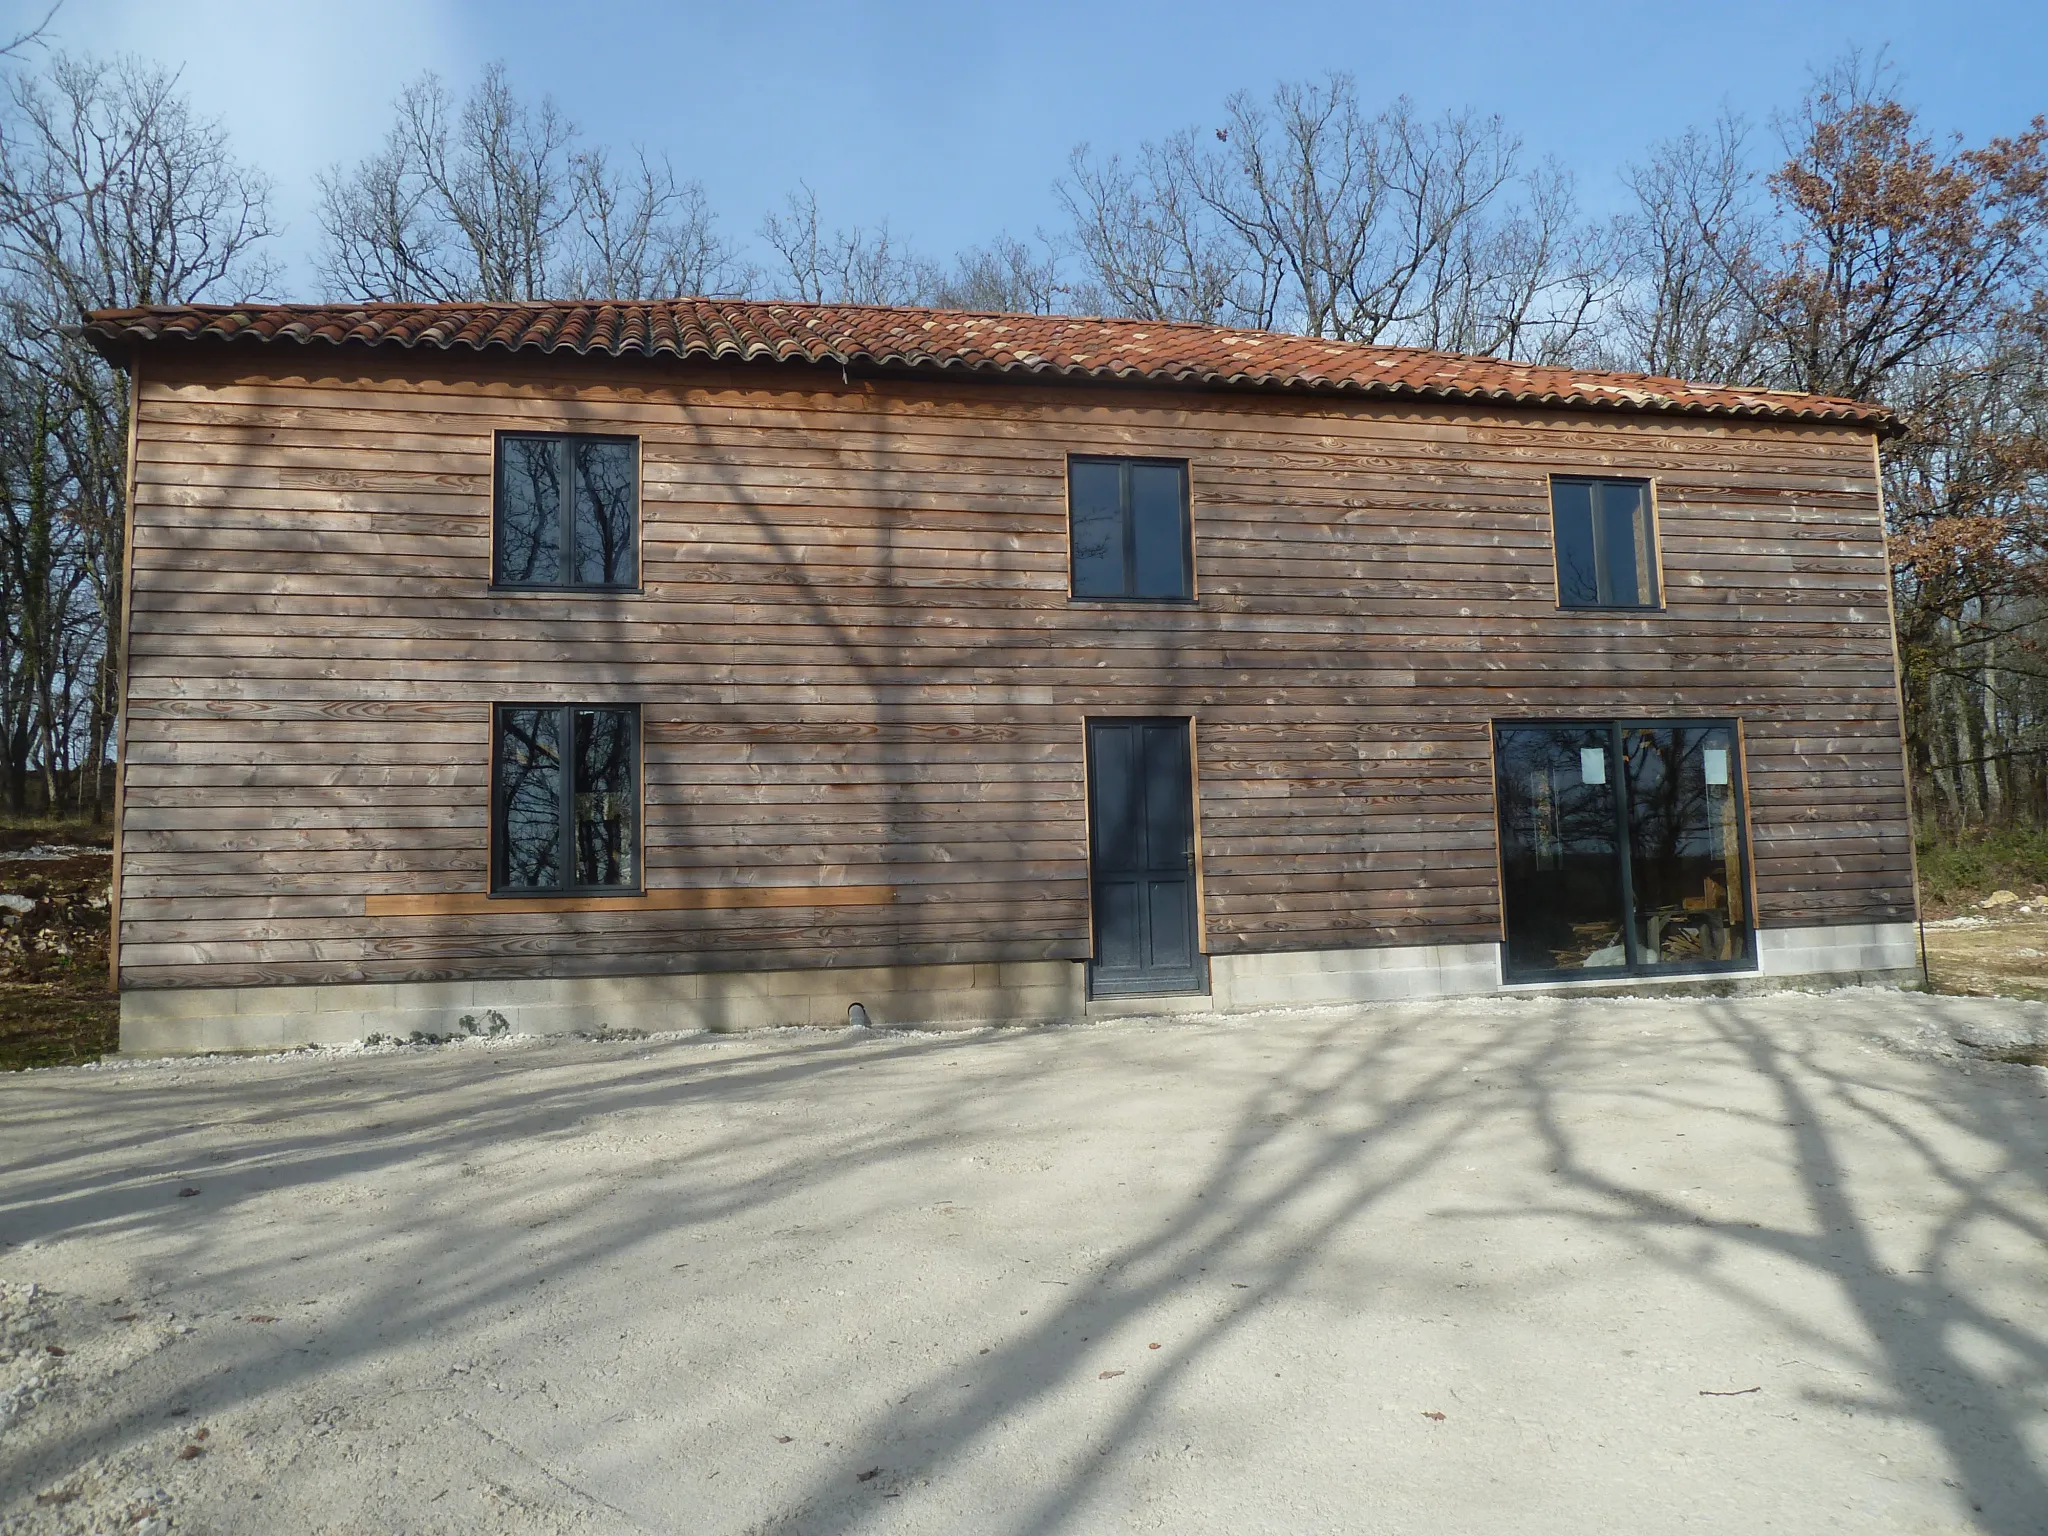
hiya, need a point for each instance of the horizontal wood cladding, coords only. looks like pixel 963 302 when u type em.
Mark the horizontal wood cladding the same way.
pixel 863 684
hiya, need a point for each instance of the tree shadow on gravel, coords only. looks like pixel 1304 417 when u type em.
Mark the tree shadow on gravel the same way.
pixel 1399 1118
pixel 444 1108
pixel 1350 1111
pixel 1850 1138
pixel 1246 1202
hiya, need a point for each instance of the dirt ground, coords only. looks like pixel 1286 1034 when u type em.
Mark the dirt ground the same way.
pixel 55 1005
pixel 1993 954
pixel 1531 1266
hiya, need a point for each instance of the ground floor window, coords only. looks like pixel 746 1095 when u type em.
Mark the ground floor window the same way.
pixel 566 805
pixel 1622 848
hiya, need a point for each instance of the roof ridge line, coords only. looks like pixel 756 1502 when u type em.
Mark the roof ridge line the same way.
pixel 918 339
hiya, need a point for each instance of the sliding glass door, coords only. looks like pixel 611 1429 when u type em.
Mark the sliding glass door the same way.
pixel 1621 849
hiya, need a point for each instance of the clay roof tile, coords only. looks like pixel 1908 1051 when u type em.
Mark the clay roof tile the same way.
pixel 1016 346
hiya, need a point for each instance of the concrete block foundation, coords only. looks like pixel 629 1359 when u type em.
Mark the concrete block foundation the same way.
pixel 169 1022
pixel 184 1021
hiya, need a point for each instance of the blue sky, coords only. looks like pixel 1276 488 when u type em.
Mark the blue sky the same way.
pixel 953 120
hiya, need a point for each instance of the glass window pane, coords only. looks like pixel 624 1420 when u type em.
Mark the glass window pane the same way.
pixel 1685 846
pixel 529 798
pixel 606 807
pixel 605 501
pixel 1160 531
pixel 1168 834
pixel 529 510
pixel 1560 852
pixel 1119 832
pixel 1620 545
pixel 1578 578
pixel 1095 492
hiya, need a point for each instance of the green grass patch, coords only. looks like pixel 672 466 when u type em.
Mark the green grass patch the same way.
pixel 1957 871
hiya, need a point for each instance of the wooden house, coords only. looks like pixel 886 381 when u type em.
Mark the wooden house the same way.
pixel 714 663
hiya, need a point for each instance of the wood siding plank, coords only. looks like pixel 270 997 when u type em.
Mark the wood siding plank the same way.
pixel 859 670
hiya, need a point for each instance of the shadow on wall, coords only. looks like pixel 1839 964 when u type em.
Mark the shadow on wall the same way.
pixel 1346 1120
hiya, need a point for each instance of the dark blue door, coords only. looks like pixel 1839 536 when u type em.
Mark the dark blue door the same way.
pixel 1141 796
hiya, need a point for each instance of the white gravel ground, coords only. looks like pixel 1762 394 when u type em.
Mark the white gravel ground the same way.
pixel 1532 1266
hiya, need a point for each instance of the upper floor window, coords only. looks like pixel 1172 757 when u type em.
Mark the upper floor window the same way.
pixel 1129 529
pixel 565 801
pixel 567 505
pixel 1606 543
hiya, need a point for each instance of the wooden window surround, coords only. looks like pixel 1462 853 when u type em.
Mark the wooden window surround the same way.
pixel 565 800
pixel 1624 848
pixel 1129 528
pixel 1604 535
pixel 565 512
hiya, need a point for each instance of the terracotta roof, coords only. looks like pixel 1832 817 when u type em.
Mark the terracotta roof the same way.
pixel 941 341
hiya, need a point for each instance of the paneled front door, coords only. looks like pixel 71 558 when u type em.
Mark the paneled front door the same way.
pixel 1141 798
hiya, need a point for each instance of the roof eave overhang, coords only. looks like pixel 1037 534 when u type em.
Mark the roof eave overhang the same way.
pixel 121 346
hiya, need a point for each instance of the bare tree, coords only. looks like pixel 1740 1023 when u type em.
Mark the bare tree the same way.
pixel 1153 245
pixel 859 265
pixel 498 201
pixel 1006 276
pixel 1533 285
pixel 29 36
pixel 644 234
pixel 1690 255
pixel 113 193
pixel 1308 213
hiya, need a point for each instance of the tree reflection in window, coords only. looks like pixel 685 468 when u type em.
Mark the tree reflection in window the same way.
pixel 603 534
pixel 1621 847
pixel 567 508
pixel 529 797
pixel 1605 545
pixel 552 835
pixel 529 511
pixel 604 814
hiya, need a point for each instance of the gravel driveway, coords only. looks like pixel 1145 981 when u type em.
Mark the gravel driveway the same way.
pixel 1529 1266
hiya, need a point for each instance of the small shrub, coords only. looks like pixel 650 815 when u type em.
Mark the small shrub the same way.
pixel 469 1027
pixel 610 1032
pixel 1957 870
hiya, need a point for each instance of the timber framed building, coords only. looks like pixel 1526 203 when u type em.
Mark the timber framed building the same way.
pixel 713 663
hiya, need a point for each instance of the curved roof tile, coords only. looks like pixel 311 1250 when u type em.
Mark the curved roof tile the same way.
pixel 1007 346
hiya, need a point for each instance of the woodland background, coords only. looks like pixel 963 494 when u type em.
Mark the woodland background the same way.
pixel 1843 247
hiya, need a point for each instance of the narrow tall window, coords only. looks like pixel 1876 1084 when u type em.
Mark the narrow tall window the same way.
pixel 567 809
pixel 1606 549
pixel 566 510
pixel 1129 529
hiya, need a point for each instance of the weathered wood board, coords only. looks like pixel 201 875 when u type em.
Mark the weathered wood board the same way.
pixel 859 667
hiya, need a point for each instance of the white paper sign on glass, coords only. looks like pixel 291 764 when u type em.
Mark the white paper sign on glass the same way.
pixel 1715 760
pixel 1592 765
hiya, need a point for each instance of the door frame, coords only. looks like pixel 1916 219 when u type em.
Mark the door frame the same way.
pixel 1198 922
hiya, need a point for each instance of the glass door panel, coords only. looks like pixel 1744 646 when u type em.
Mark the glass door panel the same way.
pixel 1560 850
pixel 1685 845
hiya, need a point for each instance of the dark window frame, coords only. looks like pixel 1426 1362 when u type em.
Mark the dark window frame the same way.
pixel 1653 534
pixel 1633 969
pixel 565 516
pixel 565 830
pixel 1187 530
